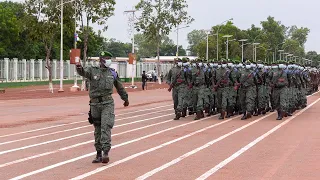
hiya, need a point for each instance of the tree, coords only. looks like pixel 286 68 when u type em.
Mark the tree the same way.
pixel 299 34
pixel 159 17
pixel 93 11
pixel 274 33
pixel 44 21
pixel 9 28
pixel 195 37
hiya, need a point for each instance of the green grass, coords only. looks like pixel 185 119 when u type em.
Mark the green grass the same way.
pixel 36 83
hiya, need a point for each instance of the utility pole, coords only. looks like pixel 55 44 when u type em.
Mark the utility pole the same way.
pixel 132 31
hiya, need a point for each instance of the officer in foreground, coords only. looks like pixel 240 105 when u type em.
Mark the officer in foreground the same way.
pixel 102 80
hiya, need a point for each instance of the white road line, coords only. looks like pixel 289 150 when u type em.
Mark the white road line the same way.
pixel 50 127
pixel 69 137
pixel 93 153
pixel 149 150
pixel 251 144
pixel 77 145
pixel 73 129
pixel 154 171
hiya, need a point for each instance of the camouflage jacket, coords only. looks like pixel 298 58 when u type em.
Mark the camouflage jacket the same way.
pixel 102 81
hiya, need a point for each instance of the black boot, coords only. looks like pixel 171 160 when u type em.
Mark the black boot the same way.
pixel 190 111
pixel 198 116
pixel 279 115
pixel 256 112
pixel 98 158
pixel 223 114
pixel 184 112
pixel 244 117
pixel 178 115
pixel 105 157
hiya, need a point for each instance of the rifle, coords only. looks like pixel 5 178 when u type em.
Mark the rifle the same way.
pixel 237 86
pixel 225 75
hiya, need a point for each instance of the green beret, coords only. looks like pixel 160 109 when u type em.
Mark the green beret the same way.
pixel 105 54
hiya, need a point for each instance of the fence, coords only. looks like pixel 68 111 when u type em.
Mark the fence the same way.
pixel 14 70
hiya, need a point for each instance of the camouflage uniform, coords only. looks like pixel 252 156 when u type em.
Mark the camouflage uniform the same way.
pixel 198 83
pixel 102 80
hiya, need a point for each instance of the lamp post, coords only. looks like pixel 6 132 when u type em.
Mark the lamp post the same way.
pixel 227 36
pixel 207 50
pixel 132 29
pixel 242 40
pixel 218 36
pixel 255 51
pixel 61 44
pixel 281 51
pixel 177 53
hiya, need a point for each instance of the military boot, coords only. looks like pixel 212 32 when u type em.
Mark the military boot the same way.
pixel 184 112
pixel 256 112
pixel 280 116
pixel 222 115
pixel 244 117
pixel 202 114
pixel 268 109
pixel 263 111
pixel 249 115
pixel 105 157
pixel 190 111
pixel 178 115
pixel 98 158
pixel 198 116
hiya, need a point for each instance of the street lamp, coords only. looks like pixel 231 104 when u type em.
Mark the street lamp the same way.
pixel 227 36
pixel 207 51
pixel 218 36
pixel 61 45
pixel 255 51
pixel 281 51
pixel 132 29
pixel 242 40
pixel 177 54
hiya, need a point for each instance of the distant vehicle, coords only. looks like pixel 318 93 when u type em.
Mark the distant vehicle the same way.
pixel 149 75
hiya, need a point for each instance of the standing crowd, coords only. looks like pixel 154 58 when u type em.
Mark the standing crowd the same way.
pixel 233 87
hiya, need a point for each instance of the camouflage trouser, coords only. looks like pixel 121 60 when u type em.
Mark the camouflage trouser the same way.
pixel 232 97
pixel 207 97
pixel 102 129
pixel 198 98
pixel 262 96
pixel 181 95
pixel 175 98
pixel 188 99
pixel 222 98
pixel 280 98
pixel 299 97
pixel 291 98
pixel 268 99
pixel 304 96
pixel 248 97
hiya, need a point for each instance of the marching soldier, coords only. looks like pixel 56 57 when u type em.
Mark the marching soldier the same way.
pixel 101 115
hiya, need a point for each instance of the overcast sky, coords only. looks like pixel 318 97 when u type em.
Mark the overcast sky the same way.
pixel 208 13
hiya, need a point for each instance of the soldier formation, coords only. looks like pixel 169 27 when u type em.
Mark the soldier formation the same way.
pixel 235 88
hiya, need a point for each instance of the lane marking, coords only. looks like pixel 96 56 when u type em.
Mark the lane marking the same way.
pixel 149 150
pixel 251 144
pixel 69 137
pixel 50 127
pixel 180 158
pixel 77 145
pixel 73 129
pixel 116 146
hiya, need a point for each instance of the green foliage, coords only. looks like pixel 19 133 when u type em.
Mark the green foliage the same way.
pixel 195 37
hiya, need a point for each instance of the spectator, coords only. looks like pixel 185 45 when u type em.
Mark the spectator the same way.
pixel 144 79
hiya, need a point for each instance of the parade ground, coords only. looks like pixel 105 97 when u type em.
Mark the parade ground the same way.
pixel 45 136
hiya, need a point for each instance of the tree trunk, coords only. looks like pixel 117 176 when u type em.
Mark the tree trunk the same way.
pixel 49 67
